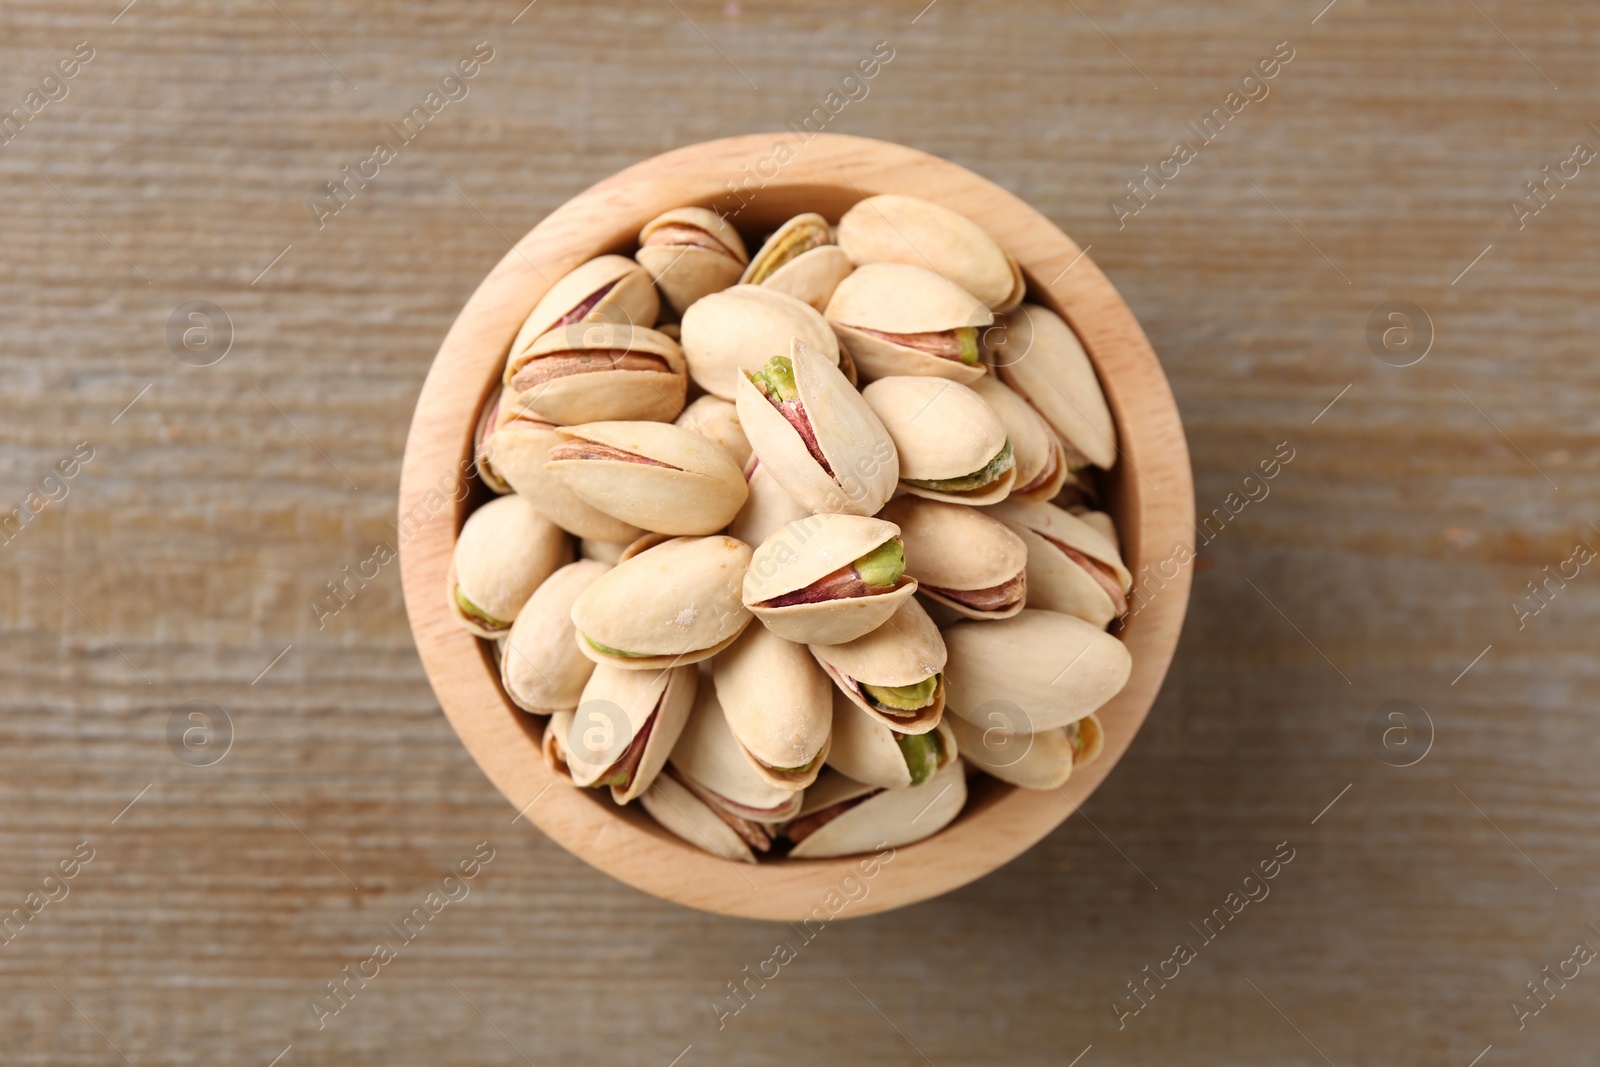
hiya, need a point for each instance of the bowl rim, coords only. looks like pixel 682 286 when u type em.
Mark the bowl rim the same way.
pixel 999 822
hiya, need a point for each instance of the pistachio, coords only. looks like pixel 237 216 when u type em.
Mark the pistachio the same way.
pixel 1044 760
pixel 1103 524
pixel 801 259
pixel 652 475
pixel 717 419
pixel 553 743
pixel 711 760
pixel 768 507
pixel 823 444
pixel 607 289
pixel 505 550
pixel 846 817
pixel 899 319
pixel 777 702
pixel 952 446
pixel 690 252
pixel 1038 355
pixel 625 726
pixel 608 552
pixel 1041 459
pixel 893 673
pixel 541 669
pixel 488 419
pixel 826 579
pixel 1072 568
pixel 599 371
pixel 1040 669
pixel 675 603
pixel 905 229
pixel 518 450
pixel 687 813
pixel 737 330
pixel 869 751
pixel 961 557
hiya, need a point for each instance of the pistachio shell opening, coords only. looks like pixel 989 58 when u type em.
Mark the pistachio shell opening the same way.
pixel 894 673
pixel 1041 460
pixel 598 371
pixel 898 319
pixel 652 475
pixel 518 450
pixel 801 259
pixel 505 551
pixel 1072 567
pixel 1038 670
pixel 952 446
pixel 690 253
pixel 961 557
pixel 488 419
pixel 625 726
pixel 868 751
pixel 737 330
pixel 889 818
pixel 891 228
pixel 683 813
pixel 1044 760
pixel 709 756
pixel 826 579
pixel 605 289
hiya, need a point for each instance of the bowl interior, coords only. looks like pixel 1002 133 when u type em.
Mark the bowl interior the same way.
pixel 1149 493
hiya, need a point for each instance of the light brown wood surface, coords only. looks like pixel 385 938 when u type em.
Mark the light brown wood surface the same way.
pixel 1385 559
pixel 1149 494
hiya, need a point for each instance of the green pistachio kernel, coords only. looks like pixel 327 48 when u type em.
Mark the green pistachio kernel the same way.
pixel 608 651
pixel 904 697
pixel 922 752
pixel 777 379
pixel 806 766
pixel 884 565
pixel 995 468
pixel 472 611
pixel 793 245
pixel 968 336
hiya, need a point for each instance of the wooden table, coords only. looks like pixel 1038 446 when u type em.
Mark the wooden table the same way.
pixel 1383 564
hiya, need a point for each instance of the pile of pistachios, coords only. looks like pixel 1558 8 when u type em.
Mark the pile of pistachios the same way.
pixel 764 520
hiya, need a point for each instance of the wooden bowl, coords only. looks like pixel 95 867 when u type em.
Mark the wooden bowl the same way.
pixel 1149 492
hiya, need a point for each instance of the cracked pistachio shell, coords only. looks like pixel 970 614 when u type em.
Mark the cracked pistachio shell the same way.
pixel 905 229
pixel 709 755
pixel 1041 459
pixel 488 420
pixel 849 435
pixel 865 749
pixel 1045 362
pixel 631 299
pixel 893 818
pixel 686 816
pixel 778 703
pixel 553 745
pixel 541 668
pixel 717 419
pixel 895 298
pixel 605 392
pixel 1039 669
pixel 801 259
pixel 1057 582
pixel 768 507
pixel 1103 523
pixel 958 553
pixel 616 705
pixel 691 488
pixel 518 450
pixel 737 330
pixel 903 651
pixel 505 550
pixel 690 252
pixel 812 548
pixel 1033 761
pixel 675 603
pixel 941 429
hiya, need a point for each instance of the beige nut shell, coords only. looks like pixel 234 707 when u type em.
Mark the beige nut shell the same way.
pixel 941 429
pixel 699 492
pixel 614 707
pixel 601 395
pixel 865 749
pixel 955 547
pixel 901 299
pixel 891 228
pixel 768 507
pixel 1041 460
pixel 1045 669
pixel 708 754
pixel 717 419
pixel 736 331
pixel 893 818
pixel 812 275
pixel 673 604
pixel 553 743
pixel 1031 761
pixel 541 668
pixel 632 299
pixel 778 704
pixel 518 450
pixel 1046 363
pixel 1056 582
pixel 685 273
pixel 809 549
pixel 686 816
pixel 903 651
pixel 506 549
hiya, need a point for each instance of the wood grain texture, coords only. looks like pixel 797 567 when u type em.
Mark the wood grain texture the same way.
pixel 1394 542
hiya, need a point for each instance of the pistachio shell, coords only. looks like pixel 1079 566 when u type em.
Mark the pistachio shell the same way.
pixel 631 299
pixel 768 507
pixel 1040 669
pixel 691 488
pixel 812 274
pixel 893 298
pixel 1019 286
pixel 809 549
pixel 865 749
pixel 893 818
pixel 685 815
pixel 711 756
pixel 717 419
pixel 905 229
pixel 1041 461
pixel 604 551
pixel 1103 524
pixel 903 651
pixel 553 744
pixel 778 704
pixel 1045 362
pixel 488 419
pixel 941 430
pixel 739 329
pixel 849 435
pixel 690 252
pixel 518 450
pixel 1057 582
pixel 961 557
pixel 505 550
pixel 615 707
pixel 634 373
pixel 1033 761
pixel 541 668
pixel 676 603
pixel 1092 740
